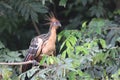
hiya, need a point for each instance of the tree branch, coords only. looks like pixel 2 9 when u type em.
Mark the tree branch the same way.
pixel 115 28
pixel 17 63
pixel 36 28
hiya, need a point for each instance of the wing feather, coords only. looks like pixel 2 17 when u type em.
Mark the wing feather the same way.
pixel 35 45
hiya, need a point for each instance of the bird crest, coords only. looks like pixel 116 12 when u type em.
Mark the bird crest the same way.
pixel 51 18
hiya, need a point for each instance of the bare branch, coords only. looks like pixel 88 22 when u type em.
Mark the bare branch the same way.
pixel 36 27
pixel 17 63
pixel 114 28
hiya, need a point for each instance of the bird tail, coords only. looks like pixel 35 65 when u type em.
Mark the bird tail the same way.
pixel 26 67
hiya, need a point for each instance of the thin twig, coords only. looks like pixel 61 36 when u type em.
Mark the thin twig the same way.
pixel 17 63
pixel 36 27
pixel 115 28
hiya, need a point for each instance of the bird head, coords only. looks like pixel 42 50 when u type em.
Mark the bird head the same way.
pixel 53 21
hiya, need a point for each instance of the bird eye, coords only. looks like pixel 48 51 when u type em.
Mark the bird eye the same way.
pixel 56 23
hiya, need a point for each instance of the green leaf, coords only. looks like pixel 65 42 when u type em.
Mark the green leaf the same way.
pixel 6 73
pixel 38 7
pixel 98 57
pixel 31 9
pixel 116 75
pixel 64 53
pixel 84 2
pixel 69 51
pixel 78 49
pixel 51 60
pixel 96 25
pixel 27 14
pixel 117 12
pixel 63 44
pixel 34 16
pixel 32 71
pixel 81 49
pixel 43 60
pixel 1 45
pixel 63 3
pixel 23 11
pixel 60 35
pixel 68 44
pixel 97 10
pixel 84 24
pixel 6 5
pixel 72 40
pixel 103 43
pixel 72 75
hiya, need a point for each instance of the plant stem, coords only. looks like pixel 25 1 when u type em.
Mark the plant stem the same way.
pixel 36 27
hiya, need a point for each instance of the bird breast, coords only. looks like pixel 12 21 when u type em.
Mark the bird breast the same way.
pixel 48 48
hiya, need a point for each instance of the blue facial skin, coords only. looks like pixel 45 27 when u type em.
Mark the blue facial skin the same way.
pixel 56 24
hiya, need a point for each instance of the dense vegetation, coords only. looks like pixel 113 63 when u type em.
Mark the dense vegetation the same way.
pixel 88 44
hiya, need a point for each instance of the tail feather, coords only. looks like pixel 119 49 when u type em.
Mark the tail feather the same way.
pixel 26 67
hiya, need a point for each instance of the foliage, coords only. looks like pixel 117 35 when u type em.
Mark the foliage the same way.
pixel 29 8
pixel 97 58
pixel 89 43
pixel 17 13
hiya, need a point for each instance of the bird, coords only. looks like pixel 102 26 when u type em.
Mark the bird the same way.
pixel 43 44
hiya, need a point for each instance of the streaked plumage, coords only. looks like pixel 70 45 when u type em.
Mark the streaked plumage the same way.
pixel 42 44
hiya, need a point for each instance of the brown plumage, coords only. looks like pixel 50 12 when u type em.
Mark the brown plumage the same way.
pixel 42 44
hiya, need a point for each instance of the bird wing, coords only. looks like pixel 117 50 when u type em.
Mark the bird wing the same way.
pixel 34 50
pixel 36 44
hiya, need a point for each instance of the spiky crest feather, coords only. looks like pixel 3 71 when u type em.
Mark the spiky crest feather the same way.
pixel 51 18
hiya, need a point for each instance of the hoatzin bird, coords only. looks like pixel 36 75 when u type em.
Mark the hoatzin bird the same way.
pixel 42 44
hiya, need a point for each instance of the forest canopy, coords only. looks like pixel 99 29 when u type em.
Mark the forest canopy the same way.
pixel 88 43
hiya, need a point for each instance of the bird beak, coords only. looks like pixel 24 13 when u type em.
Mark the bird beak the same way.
pixel 59 25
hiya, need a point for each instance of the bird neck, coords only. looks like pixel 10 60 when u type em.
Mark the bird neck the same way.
pixel 52 36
